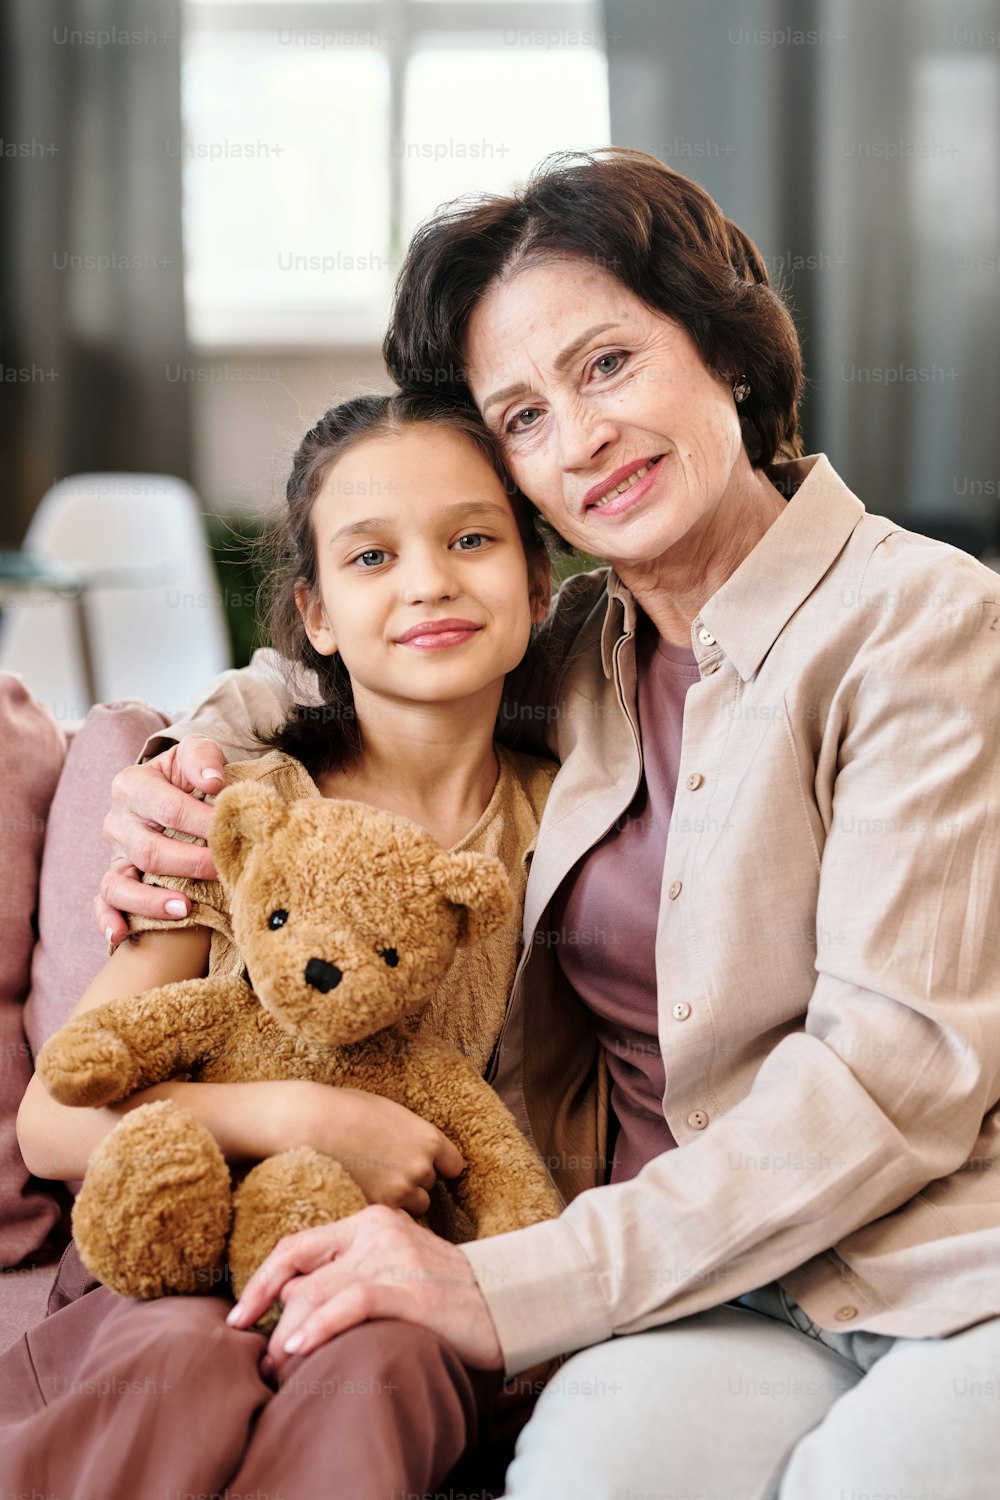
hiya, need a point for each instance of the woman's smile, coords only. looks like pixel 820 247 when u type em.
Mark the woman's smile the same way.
pixel 621 493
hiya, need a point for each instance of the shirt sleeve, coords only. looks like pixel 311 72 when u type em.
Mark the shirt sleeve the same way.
pixel 238 704
pixel 886 1087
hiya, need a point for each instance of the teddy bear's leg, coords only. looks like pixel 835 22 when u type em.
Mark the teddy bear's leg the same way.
pixel 156 1205
pixel 295 1190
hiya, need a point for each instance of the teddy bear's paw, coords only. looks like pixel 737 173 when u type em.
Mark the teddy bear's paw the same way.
pixel 155 1207
pixel 87 1067
pixel 295 1190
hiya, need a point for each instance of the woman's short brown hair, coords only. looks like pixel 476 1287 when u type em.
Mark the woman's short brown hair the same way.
pixel 656 231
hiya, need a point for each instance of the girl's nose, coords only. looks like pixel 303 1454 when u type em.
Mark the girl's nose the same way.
pixel 427 579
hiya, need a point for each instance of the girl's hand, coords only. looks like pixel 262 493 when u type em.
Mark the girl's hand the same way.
pixel 393 1155
pixel 145 800
pixel 375 1264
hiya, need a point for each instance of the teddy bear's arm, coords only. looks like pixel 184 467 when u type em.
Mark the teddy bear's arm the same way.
pixel 504 1185
pixel 111 1051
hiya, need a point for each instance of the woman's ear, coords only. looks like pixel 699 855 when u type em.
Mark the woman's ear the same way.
pixel 314 621
pixel 539 586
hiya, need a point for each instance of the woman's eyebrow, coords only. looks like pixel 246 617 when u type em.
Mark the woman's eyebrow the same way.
pixel 560 362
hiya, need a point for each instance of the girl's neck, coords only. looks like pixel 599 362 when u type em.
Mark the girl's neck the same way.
pixel 431 762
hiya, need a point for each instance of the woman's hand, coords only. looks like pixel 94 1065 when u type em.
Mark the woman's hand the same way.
pixel 375 1264
pixel 393 1155
pixel 145 800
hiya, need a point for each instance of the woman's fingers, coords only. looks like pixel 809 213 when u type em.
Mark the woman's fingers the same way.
pixel 199 763
pixel 145 800
pixel 291 1256
pixel 375 1264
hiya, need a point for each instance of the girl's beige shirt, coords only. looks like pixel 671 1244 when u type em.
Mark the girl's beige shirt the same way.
pixel 468 1008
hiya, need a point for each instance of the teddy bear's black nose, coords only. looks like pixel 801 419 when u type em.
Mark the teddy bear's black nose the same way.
pixel 322 976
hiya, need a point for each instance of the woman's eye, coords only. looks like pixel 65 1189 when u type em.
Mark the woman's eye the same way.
pixel 608 364
pixel 374 557
pixel 471 542
pixel 523 419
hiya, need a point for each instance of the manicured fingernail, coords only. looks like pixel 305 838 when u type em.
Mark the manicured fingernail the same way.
pixel 235 1315
pixel 176 908
pixel 295 1342
pixel 210 775
pixel 107 936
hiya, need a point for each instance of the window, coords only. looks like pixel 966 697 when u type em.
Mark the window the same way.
pixel 317 135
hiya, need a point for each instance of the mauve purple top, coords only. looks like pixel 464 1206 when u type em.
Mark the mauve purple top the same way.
pixel 606 912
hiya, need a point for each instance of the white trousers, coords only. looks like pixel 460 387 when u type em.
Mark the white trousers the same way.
pixel 754 1402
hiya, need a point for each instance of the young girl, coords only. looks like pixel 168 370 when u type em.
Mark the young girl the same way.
pixel 411 576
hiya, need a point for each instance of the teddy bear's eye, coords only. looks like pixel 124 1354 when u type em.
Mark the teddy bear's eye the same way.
pixel 390 955
pixel 277 919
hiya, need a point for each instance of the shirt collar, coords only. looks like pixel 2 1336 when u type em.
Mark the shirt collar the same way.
pixel 744 618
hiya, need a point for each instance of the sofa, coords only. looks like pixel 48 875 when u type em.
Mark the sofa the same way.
pixel 54 792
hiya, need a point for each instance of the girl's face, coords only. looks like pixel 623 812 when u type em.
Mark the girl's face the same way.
pixel 587 386
pixel 424 587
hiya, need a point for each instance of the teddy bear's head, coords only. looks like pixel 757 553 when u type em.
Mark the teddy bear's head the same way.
pixel 347 918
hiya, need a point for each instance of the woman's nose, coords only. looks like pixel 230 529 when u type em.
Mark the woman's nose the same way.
pixel 583 434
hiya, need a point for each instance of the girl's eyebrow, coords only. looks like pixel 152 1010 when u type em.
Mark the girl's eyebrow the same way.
pixel 451 513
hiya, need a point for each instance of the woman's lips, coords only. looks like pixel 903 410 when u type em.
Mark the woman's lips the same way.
pixel 435 635
pixel 630 495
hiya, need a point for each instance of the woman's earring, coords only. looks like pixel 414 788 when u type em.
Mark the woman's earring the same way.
pixel 741 389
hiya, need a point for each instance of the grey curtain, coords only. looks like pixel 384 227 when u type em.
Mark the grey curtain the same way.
pixel 858 142
pixel 91 295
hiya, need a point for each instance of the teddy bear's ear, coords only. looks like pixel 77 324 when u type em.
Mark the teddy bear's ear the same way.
pixel 245 813
pixel 478 885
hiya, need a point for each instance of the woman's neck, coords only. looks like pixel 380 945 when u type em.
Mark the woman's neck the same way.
pixel 431 762
pixel 672 589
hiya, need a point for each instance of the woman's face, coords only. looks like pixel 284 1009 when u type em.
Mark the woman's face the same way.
pixel 587 388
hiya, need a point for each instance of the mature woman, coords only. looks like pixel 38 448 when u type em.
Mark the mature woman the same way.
pixel 755 1031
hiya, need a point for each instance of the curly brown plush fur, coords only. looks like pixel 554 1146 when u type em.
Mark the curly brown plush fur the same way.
pixel 348 919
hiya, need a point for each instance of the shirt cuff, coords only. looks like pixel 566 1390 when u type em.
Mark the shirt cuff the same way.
pixel 543 1294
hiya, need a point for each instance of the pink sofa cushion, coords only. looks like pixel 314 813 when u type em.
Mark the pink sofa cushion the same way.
pixel 32 749
pixel 70 950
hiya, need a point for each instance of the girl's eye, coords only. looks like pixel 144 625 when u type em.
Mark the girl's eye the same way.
pixel 471 542
pixel 374 557
pixel 523 419
pixel 607 364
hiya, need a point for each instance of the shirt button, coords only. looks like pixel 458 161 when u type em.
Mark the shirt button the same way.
pixel 706 637
pixel 845 1314
pixel 674 890
pixel 681 1011
pixel 698 1119
pixel 694 781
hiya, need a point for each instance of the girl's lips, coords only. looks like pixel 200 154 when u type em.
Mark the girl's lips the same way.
pixel 635 492
pixel 436 635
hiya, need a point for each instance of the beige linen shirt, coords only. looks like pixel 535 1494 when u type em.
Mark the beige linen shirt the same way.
pixel 827 953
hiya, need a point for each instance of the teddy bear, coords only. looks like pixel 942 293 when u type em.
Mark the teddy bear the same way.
pixel 347 919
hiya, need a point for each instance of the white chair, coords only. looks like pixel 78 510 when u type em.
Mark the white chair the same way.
pixel 152 617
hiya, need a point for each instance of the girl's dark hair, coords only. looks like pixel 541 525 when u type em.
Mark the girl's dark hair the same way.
pixel 654 230
pixel 327 737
